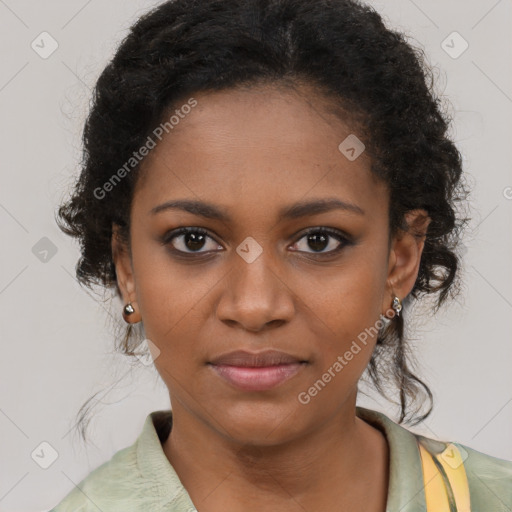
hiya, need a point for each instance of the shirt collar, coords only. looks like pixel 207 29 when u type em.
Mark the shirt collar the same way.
pixel 405 489
pixel 154 464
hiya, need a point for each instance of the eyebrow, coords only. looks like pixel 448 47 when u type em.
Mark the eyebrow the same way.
pixel 294 211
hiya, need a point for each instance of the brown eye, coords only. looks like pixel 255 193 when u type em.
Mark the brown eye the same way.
pixel 190 240
pixel 319 239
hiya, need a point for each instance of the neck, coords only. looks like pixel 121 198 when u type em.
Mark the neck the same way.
pixel 344 456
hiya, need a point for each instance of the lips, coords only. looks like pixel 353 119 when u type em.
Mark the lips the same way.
pixel 257 371
pixel 254 359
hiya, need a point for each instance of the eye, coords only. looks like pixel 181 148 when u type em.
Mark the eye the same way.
pixel 190 240
pixel 322 238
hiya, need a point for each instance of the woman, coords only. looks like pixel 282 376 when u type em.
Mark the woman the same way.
pixel 267 185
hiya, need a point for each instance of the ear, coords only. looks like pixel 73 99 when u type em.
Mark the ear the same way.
pixel 124 272
pixel 405 256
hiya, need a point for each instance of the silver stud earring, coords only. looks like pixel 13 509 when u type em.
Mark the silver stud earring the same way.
pixel 128 309
pixel 397 305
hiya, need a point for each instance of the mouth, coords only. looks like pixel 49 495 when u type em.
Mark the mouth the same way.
pixel 257 371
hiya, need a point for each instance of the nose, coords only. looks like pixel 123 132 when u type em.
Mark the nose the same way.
pixel 255 296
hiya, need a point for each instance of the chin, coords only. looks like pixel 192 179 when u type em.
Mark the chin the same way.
pixel 259 426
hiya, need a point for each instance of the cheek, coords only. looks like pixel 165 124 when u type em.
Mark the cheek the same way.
pixel 346 308
pixel 169 294
pixel 345 340
pixel 348 300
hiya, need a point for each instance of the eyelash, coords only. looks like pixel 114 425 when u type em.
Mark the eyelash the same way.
pixel 344 240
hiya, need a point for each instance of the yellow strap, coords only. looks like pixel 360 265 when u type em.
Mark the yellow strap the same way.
pixel 436 493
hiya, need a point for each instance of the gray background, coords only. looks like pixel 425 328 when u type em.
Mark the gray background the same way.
pixel 57 340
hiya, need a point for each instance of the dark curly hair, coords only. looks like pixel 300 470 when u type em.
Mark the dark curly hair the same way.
pixel 345 52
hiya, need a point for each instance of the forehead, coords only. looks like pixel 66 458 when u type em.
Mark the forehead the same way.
pixel 263 147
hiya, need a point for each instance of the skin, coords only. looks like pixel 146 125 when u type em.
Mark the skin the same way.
pixel 251 153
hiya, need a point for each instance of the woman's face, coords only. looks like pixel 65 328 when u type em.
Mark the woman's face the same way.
pixel 263 159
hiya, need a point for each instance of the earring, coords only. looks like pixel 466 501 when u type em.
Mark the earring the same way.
pixel 128 309
pixel 397 305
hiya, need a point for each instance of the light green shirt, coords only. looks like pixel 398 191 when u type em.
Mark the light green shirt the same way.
pixel 141 478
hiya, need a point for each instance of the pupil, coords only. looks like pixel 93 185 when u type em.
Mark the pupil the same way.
pixel 194 238
pixel 317 239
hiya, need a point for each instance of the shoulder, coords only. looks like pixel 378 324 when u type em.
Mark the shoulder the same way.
pixel 138 477
pixel 489 479
pixel 112 482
